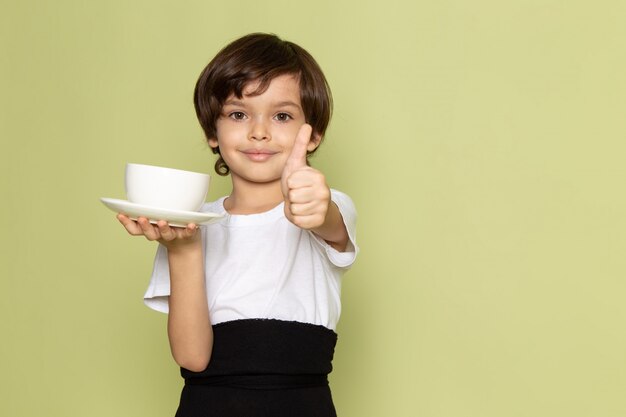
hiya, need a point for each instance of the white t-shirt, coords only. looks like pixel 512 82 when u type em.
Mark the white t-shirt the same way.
pixel 263 266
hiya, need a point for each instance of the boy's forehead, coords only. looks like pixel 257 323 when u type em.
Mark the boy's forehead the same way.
pixel 287 84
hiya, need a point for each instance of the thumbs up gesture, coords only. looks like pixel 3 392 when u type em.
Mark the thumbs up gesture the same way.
pixel 306 194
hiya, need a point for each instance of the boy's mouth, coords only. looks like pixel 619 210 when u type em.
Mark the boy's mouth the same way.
pixel 258 155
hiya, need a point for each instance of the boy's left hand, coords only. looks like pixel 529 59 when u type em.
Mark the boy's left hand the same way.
pixel 306 194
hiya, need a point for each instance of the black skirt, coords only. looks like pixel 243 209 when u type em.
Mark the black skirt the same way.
pixel 263 368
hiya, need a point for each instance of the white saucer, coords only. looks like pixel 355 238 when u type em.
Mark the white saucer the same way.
pixel 175 218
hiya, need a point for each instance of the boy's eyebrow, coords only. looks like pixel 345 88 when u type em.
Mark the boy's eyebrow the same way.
pixel 233 103
pixel 286 103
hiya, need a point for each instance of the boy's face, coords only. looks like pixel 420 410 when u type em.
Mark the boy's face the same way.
pixel 256 133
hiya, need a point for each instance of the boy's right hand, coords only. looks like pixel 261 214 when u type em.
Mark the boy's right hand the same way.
pixel 172 238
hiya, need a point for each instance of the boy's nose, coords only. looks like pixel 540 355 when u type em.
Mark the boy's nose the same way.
pixel 259 131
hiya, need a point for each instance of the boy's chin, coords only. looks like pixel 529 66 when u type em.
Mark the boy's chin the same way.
pixel 259 178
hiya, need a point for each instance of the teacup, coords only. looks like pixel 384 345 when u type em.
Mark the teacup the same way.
pixel 166 188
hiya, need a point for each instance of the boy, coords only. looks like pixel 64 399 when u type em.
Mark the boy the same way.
pixel 254 299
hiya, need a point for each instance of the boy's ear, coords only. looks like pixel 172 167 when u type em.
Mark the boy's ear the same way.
pixel 315 141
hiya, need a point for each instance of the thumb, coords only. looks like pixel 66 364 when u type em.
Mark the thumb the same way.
pixel 297 158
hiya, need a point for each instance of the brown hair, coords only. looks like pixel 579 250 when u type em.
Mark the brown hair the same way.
pixel 260 57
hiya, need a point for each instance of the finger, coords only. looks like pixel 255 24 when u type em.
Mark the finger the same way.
pixel 305 177
pixel 306 193
pixel 180 232
pixel 131 226
pixel 149 231
pixel 308 221
pixel 301 195
pixel 183 232
pixel 304 209
pixel 191 229
pixel 297 157
pixel 166 232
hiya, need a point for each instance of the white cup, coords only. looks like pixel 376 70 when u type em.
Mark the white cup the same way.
pixel 166 188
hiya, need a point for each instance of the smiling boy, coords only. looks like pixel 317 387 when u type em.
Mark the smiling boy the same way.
pixel 254 299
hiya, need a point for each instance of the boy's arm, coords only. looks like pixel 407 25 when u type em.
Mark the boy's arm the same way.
pixel 309 206
pixel 189 326
pixel 333 230
pixel 307 196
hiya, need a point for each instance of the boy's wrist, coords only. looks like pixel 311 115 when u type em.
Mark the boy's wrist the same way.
pixel 333 230
pixel 183 249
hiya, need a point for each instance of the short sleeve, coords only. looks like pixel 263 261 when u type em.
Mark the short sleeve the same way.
pixel 348 213
pixel 158 292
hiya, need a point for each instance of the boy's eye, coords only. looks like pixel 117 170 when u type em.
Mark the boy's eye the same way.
pixel 237 115
pixel 283 117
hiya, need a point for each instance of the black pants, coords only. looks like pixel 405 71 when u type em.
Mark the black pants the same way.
pixel 216 401
pixel 263 368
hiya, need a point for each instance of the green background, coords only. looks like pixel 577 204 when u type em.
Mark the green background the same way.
pixel 482 141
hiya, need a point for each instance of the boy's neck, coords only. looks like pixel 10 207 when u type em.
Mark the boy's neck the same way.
pixel 252 198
